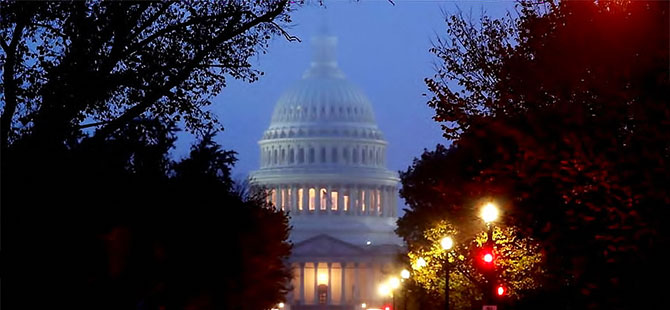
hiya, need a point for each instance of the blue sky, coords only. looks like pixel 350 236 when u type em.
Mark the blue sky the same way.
pixel 382 48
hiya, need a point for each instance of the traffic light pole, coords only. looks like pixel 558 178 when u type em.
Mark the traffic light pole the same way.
pixel 488 296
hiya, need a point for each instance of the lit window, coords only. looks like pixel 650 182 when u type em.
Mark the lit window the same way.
pixel 345 202
pixel 324 199
pixel 333 200
pixel 273 196
pixel 300 194
pixel 312 199
pixel 363 200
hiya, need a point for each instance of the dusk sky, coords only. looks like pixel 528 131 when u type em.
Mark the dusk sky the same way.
pixel 382 48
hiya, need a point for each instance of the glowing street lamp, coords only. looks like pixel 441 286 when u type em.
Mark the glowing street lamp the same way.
pixel 447 243
pixel 394 282
pixel 489 213
pixel 384 289
pixel 404 274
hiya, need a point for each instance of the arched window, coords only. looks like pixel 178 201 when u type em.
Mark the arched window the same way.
pixel 345 155
pixel 363 157
pixel 333 155
pixel 283 156
pixel 333 200
pixel 301 155
pixel 354 156
pixel 323 199
pixel 274 157
pixel 291 156
pixel 323 155
pixel 300 195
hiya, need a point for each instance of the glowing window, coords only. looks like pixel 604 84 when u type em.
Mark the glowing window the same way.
pixel 324 199
pixel 300 194
pixel 363 200
pixel 333 200
pixel 312 199
pixel 345 202
pixel 273 195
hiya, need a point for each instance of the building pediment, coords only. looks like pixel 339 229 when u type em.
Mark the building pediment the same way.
pixel 326 246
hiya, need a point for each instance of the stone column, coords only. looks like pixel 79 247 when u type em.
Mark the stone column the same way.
pixel 353 196
pixel 305 199
pixel 368 201
pixel 329 295
pixel 316 283
pixel 329 203
pixel 343 285
pixel 317 199
pixel 302 283
pixel 294 198
pixel 394 202
pixel 340 200
pixel 355 294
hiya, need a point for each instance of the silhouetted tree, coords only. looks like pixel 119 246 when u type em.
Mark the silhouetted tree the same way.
pixel 123 226
pixel 563 116
pixel 73 65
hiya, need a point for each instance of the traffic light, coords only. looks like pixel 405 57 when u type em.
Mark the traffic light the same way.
pixel 501 290
pixel 486 258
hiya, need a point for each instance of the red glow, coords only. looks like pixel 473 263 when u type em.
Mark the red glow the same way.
pixel 488 257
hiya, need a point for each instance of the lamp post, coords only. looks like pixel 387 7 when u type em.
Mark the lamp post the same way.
pixel 489 214
pixel 404 274
pixel 446 243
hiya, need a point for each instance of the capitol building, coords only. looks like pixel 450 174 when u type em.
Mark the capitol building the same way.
pixel 323 160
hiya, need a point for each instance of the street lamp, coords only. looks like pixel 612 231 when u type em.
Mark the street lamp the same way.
pixel 404 274
pixel 446 243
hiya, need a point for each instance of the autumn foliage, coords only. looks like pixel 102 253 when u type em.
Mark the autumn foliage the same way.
pixel 563 115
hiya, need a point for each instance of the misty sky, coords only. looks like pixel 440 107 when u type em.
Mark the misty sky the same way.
pixel 381 47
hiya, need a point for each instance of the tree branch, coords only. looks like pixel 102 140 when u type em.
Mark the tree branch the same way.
pixel 160 92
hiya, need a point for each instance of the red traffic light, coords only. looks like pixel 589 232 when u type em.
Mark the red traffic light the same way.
pixel 501 290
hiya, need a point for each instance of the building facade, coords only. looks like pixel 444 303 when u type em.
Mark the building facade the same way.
pixel 323 160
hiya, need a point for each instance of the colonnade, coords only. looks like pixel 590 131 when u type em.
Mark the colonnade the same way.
pixel 340 282
pixel 291 154
pixel 346 199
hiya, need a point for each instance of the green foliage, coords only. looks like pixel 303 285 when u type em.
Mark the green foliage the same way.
pixel 518 264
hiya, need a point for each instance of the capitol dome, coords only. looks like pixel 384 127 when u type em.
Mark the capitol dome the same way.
pixel 323 160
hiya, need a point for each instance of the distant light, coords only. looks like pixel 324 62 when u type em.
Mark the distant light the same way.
pixel 421 262
pixel 281 305
pixel 404 274
pixel 387 308
pixel 384 289
pixel 368 242
pixel 322 278
pixel 489 212
pixel 394 282
pixel 364 305
pixel 447 243
pixel 488 257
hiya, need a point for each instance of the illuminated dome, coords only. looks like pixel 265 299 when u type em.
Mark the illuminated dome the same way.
pixel 323 159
